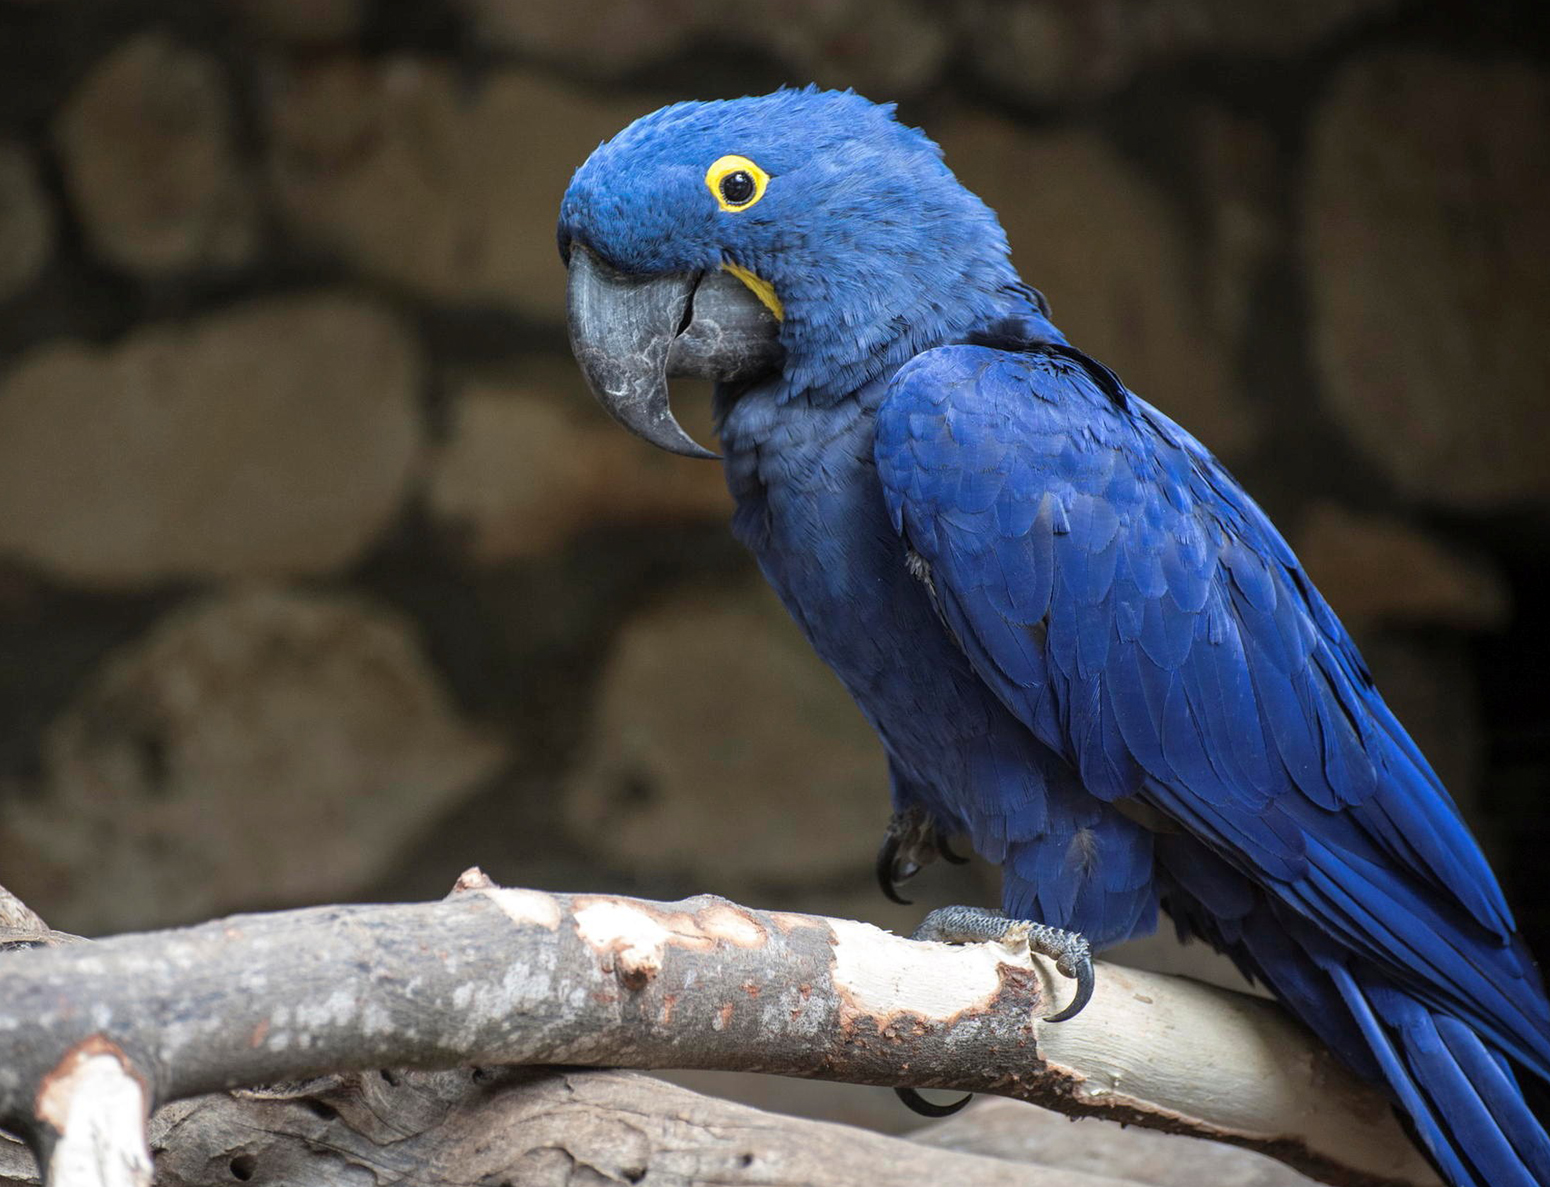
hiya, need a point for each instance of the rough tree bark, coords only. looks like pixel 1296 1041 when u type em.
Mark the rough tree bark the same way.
pixel 544 1127
pixel 509 977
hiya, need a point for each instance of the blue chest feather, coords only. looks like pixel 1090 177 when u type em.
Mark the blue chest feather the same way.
pixel 811 508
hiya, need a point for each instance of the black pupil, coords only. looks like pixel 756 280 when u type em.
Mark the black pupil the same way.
pixel 737 187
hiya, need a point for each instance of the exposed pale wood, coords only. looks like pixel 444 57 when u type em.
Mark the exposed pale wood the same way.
pixel 92 1111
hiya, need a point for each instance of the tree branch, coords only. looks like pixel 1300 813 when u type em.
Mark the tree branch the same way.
pixel 527 1126
pixel 494 976
pixel 1017 1132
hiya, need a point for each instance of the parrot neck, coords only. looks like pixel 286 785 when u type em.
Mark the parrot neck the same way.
pixel 862 332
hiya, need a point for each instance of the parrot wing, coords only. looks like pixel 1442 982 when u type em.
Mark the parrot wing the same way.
pixel 1130 604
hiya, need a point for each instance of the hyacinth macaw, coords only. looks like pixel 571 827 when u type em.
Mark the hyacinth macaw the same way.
pixel 1082 644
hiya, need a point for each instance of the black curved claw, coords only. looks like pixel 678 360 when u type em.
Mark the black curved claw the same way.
pixel 886 857
pixel 919 1104
pixel 1084 992
pixel 948 853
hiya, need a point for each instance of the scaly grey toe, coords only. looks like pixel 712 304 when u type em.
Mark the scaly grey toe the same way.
pixel 977 925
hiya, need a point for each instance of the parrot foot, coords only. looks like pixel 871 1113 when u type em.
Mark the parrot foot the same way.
pixel 976 925
pixel 910 843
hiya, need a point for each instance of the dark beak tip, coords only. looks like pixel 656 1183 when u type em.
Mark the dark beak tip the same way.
pixel 687 446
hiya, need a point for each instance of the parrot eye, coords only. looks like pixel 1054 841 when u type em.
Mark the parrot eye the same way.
pixel 737 187
pixel 736 182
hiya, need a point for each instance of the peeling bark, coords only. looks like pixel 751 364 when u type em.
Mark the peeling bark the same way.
pixel 493 976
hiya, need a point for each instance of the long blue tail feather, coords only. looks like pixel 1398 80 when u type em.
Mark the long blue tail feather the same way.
pixel 1492 1078
pixel 1423 1119
pixel 1455 1084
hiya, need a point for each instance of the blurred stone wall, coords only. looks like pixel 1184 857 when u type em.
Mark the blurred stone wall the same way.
pixel 322 578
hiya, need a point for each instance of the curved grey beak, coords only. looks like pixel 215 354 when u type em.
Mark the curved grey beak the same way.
pixel 630 333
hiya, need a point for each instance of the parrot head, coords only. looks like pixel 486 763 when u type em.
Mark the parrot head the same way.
pixel 804 237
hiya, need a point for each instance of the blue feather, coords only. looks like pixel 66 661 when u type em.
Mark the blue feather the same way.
pixel 1422 1114
pixel 1499 1091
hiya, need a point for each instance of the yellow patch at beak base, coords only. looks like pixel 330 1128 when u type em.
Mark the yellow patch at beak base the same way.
pixel 760 288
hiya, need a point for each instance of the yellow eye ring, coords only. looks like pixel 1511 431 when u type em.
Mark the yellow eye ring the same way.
pixel 736 182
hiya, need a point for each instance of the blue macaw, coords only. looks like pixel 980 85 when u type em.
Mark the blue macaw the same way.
pixel 1081 642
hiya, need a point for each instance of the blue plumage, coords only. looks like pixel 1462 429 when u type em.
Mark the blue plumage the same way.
pixel 1081 642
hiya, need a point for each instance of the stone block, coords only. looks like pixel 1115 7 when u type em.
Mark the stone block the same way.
pixel 276 437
